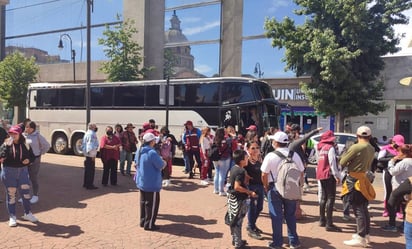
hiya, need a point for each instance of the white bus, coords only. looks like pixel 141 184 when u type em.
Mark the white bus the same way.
pixel 60 112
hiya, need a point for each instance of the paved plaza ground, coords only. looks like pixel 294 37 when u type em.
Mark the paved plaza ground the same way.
pixel 190 215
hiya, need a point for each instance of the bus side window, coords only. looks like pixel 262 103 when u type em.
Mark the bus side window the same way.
pixel 129 96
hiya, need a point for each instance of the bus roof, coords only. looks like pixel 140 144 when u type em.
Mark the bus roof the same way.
pixel 145 82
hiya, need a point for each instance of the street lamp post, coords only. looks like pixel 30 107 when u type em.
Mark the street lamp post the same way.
pixel 257 71
pixel 73 52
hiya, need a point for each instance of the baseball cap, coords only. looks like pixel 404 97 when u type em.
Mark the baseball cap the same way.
pixel 280 137
pixel 189 123
pixel 16 129
pixel 363 131
pixel 398 139
pixel 252 128
pixel 148 137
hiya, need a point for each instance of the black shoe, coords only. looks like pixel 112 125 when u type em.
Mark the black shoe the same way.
pixel 154 228
pixel 104 184
pixel 322 223
pixel 255 235
pixel 92 187
pixel 258 230
pixel 333 228
pixel 190 175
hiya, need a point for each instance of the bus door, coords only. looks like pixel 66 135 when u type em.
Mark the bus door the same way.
pixel 240 117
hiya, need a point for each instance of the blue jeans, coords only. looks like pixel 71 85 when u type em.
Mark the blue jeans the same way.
pixel 279 207
pixel 221 168
pixel 16 179
pixel 126 156
pixel 407 230
pixel 256 205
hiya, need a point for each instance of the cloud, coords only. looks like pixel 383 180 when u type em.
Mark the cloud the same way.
pixel 276 4
pixel 203 69
pixel 186 20
pixel 407 31
pixel 200 29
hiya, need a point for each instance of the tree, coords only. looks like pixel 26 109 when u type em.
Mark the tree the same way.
pixel 340 46
pixel 170 62
pixel 123 52
pixel 16 72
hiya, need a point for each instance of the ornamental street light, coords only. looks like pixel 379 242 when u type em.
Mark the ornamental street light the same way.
pixel 73 52
pixel 257 71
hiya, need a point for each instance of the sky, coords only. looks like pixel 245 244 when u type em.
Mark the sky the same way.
pixel 34 16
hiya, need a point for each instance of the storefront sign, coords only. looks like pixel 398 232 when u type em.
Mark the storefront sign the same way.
pixel 294 94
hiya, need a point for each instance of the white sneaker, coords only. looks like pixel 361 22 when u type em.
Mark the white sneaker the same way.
pixel 356 241
pixel 166 183
pixel 215 192
pixel 12 221
pixel 367 237
pixel 30 217
pixel 34 199
pixel 222 193
pixel 204 182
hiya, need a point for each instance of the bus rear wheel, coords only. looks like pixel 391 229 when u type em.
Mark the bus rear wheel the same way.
pixel 60 144
pixel 77 145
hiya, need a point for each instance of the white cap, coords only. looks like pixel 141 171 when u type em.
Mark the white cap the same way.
pixel 280 137
pixel 148 137
pixel 364 131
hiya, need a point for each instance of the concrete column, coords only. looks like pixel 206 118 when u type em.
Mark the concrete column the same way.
pixel 231 38
pixel 149 18
pixel 3 4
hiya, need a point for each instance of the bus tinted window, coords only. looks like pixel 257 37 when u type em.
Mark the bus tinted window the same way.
pixel 234 92
pixel 101 96
pixel 152 93
pixel 47 97
pixel 208 94
pixel 129 96
pixel 196 94
pixel 264 91
pixel 71 97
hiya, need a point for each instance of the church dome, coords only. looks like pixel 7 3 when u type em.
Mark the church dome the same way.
pixel 174 34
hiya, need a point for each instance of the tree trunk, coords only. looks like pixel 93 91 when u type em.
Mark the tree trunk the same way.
pixel 340 123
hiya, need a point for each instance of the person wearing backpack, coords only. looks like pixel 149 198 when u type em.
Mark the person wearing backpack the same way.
pixel 328 175
pixel 280 207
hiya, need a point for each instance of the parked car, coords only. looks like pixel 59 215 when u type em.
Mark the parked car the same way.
pixel 342 139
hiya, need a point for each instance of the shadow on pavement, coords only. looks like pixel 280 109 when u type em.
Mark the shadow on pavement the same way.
pixel 53 230
pixel 60 185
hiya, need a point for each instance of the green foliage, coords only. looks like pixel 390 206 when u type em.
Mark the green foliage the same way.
pixel 170 62
pixel 340 45
pixel 16 72
pixel 123 52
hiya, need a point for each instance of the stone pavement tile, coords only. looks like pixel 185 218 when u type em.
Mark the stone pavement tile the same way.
pixel 190 215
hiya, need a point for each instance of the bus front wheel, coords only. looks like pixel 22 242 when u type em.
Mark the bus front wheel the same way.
pixel 77 145
pixel 60 144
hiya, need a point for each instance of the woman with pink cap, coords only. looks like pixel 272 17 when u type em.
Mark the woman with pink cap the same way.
pixel 385 155
pixel 16 156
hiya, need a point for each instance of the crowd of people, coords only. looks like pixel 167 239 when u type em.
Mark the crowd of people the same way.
pixel 246 170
